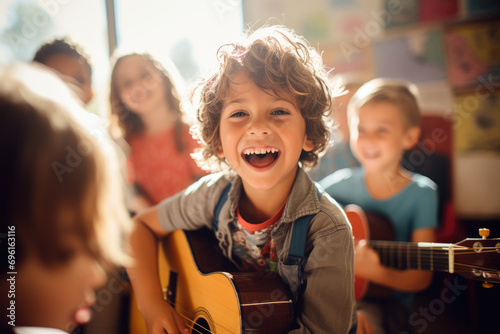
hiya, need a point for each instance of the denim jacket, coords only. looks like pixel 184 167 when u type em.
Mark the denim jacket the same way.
pixel 327 303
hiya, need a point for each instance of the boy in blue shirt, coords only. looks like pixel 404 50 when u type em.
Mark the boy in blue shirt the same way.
pixel 384 119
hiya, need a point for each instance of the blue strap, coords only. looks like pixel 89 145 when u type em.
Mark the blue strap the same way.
pixel 296 253
pixel 299 229
pixel 220 204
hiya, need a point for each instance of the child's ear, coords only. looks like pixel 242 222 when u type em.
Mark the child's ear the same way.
pixel 411 138
pixel 308 145
pixel 220 152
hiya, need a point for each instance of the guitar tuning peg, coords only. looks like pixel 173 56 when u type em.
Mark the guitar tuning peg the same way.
pixel 487 285
pixel 484 232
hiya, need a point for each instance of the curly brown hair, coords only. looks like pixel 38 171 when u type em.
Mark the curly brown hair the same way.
pixel 128 121
pixel 276 59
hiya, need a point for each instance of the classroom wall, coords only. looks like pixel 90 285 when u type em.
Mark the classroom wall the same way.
pixel 449 48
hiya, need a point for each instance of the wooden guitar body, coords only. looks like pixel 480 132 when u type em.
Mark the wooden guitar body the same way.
pixel 212 296
pixel 373 227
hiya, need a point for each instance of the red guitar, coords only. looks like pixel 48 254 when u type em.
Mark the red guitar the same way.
pixel 472 258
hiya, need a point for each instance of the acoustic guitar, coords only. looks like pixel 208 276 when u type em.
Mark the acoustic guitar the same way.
pixel 472 258
pixel 207 290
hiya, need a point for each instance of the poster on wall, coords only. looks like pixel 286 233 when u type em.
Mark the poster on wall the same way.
pixel 353 67
pixel 477 122
pixel 473 54
pixel 477 153
pixel 416 57
pixel 406 12
pixel 431 10
pixel 310 19
pixel 482 6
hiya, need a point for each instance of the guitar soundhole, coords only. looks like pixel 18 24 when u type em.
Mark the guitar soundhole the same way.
pixel 201 326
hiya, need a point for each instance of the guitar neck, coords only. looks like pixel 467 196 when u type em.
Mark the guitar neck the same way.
pixel 411 255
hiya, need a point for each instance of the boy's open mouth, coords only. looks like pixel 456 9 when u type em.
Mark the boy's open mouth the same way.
pixel 260 157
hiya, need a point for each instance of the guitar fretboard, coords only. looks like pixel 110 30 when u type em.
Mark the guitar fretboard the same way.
pixel 411 255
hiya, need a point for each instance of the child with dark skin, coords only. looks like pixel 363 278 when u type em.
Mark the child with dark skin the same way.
pixel 71 62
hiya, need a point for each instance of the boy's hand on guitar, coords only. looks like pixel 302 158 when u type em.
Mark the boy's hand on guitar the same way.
pixel 364 326
pixel 162 318
pixel 366 260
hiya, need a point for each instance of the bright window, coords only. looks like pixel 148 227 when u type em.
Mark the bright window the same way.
pixel 187 31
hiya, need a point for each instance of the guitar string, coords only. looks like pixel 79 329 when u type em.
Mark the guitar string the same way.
pixel 184 313
pixel 391 247
pixel 203 328
pixel 440 259
pixel 426 253
pixel 441 251
pixel 395 244
pixel 207 330
pixel 458 266
pixel 465 265
pixel 193 323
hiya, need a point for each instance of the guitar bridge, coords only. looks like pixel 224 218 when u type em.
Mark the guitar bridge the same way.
pixel 170 292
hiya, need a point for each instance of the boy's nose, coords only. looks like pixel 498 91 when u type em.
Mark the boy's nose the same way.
pixel 259 126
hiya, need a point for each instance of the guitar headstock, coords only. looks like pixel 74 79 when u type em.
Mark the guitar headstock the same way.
pixel 479 258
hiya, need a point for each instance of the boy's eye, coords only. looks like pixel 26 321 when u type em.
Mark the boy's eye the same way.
pixel 237 114
pixel 280 112
pixel 126 83
pixel 382 130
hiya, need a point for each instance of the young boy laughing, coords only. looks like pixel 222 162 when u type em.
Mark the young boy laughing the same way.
pixel 260 122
